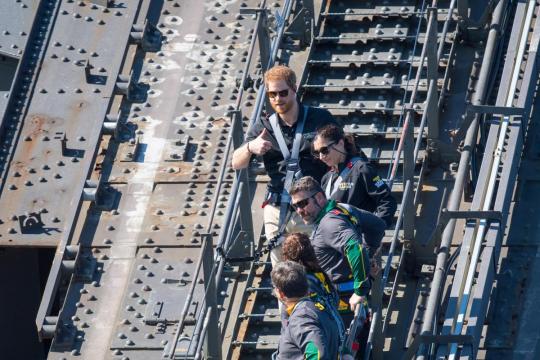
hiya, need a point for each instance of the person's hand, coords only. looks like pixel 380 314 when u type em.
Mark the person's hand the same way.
pixel 260 145
pixel 355 300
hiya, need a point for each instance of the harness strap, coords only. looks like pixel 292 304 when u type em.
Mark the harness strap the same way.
pixel 333 186
pixel 345 210
pixel 347 286
pixel 292 162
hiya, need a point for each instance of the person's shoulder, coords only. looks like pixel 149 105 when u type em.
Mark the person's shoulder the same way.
pixel 263 122
pixel 363 166
pixel 265 119
pixel 361 162
pixel 333 218
pixel 321 114
pixel 363 214
pixel 309 308
pixel 317 109
pixel 302 311
pixel 353 209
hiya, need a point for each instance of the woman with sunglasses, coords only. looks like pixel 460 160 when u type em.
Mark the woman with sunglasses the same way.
pixel 351 179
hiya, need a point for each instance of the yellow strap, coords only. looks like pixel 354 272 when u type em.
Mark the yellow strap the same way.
pixel 320 276
pixel 351 217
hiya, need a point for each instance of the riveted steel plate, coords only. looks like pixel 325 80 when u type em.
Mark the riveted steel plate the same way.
pixel 53 158
pixel 17 18
pixel 174 214
pixel 179 135
pixel 108 228
pixel 192 86
pixel 177 214
pixel 161 276
pixel 93 301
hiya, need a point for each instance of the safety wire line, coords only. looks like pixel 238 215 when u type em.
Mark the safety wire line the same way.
pixel 239 100
pixel 203 312
pixel 416 151
pixel 185 309
pixel 400 217
pixel 390 179
pixel 377 313
pixel 471 270
pixel 217 266
pixel 198 352
pixel 215 274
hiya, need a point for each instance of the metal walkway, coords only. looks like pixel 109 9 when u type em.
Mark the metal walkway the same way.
pixel 117 122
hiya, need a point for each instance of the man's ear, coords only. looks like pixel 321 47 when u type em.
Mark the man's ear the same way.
pixel 321 197
pixel 280 294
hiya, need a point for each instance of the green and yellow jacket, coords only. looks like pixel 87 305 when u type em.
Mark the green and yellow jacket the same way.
pixel 340 241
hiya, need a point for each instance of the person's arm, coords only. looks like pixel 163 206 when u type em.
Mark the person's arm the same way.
pixel 373 228
pixel 359 265
pixel 378 190
pixel 241 157
pixel 256 144
pixel 348 242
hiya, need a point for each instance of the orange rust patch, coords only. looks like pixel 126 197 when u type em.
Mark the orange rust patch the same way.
pixel 41 124
pixel 220 122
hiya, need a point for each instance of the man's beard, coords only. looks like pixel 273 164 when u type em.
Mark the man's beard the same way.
pixel 285 107
pixel 309 220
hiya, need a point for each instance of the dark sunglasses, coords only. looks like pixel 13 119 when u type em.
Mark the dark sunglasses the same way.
pixel 302 203
pixel 281 93
pixel 323 150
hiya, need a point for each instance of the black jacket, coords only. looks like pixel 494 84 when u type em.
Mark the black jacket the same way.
pixel 364 189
